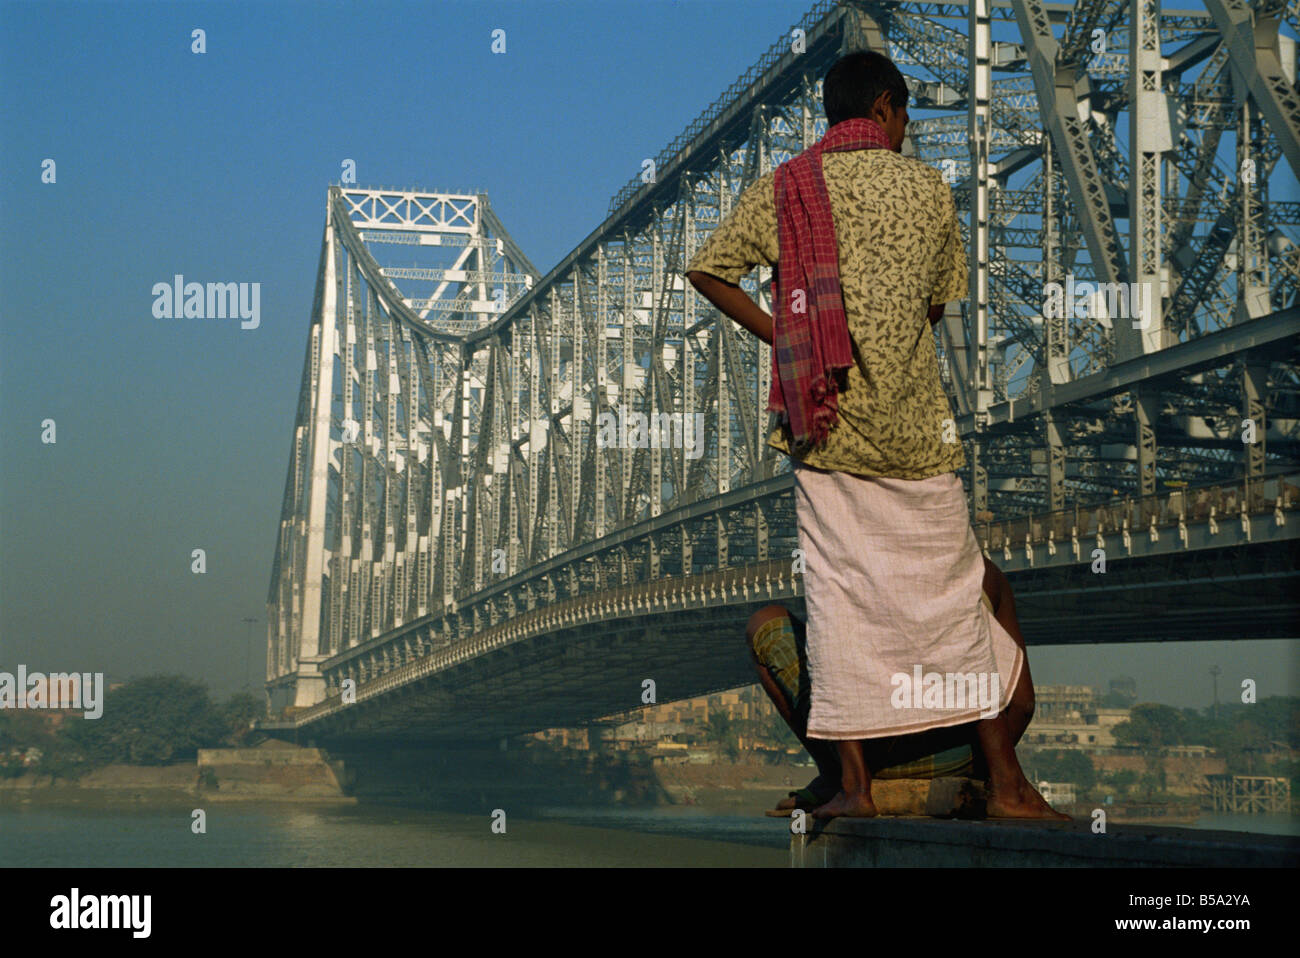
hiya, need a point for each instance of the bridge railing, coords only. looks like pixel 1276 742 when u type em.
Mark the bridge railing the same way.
pixel 1167 509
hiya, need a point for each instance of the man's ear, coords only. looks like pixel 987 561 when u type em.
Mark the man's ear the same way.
pixel 882 108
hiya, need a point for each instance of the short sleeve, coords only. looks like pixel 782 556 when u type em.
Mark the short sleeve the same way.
pixel 744 239
pixel 951 273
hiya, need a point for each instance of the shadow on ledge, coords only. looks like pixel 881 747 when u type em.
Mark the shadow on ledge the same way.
pixel 908 842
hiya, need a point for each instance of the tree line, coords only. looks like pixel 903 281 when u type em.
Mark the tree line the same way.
pixel 1244 736
pixel 154 720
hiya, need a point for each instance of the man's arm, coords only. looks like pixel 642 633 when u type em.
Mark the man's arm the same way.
pixel 951 277
pixel 735 303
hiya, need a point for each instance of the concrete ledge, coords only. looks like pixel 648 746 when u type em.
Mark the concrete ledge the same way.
pixel 928 842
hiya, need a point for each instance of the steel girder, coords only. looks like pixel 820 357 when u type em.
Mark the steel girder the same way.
pixel 1251 39
pixel 517 505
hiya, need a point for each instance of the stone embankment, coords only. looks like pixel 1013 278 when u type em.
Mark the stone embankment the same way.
pixel 274 771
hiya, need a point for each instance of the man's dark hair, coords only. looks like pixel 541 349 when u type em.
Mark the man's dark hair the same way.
pixel 856 80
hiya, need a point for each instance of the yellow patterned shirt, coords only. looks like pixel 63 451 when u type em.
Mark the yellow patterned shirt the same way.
pixel 900 249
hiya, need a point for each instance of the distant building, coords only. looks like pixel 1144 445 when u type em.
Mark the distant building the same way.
pixel 1187 751
pixel 1279 752
pixel 689 723
pixel 1123 692
pixel 636 733
pixel 1057 793
pixel 1063 703
pixel 670 753
pixel 1070 716
pixel 574 738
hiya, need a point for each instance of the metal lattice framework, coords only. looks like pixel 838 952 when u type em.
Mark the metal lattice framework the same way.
pixel 448 481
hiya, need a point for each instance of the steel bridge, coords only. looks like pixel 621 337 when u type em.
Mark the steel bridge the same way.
pixel 463 553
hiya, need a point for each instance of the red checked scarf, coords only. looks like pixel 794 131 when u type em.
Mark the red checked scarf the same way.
pixel 811 345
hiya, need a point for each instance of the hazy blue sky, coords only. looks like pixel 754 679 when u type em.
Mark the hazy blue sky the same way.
pixel 174 434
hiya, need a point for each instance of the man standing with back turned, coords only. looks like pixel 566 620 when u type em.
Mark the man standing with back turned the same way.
pixel 869 248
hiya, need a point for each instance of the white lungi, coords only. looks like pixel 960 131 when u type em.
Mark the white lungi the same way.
pixel 893 581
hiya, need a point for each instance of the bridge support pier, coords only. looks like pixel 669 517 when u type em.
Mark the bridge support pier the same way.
pixel 304 687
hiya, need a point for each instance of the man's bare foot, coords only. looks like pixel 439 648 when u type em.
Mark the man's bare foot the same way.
pixel 856 804
pixel 1021 801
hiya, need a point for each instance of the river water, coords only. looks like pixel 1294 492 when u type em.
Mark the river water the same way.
pixel 279 835
pixel 361 836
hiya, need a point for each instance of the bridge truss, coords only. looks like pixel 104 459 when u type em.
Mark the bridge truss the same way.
pixel 448 484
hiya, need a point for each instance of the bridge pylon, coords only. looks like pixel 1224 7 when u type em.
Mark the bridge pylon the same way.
pixel 373 516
